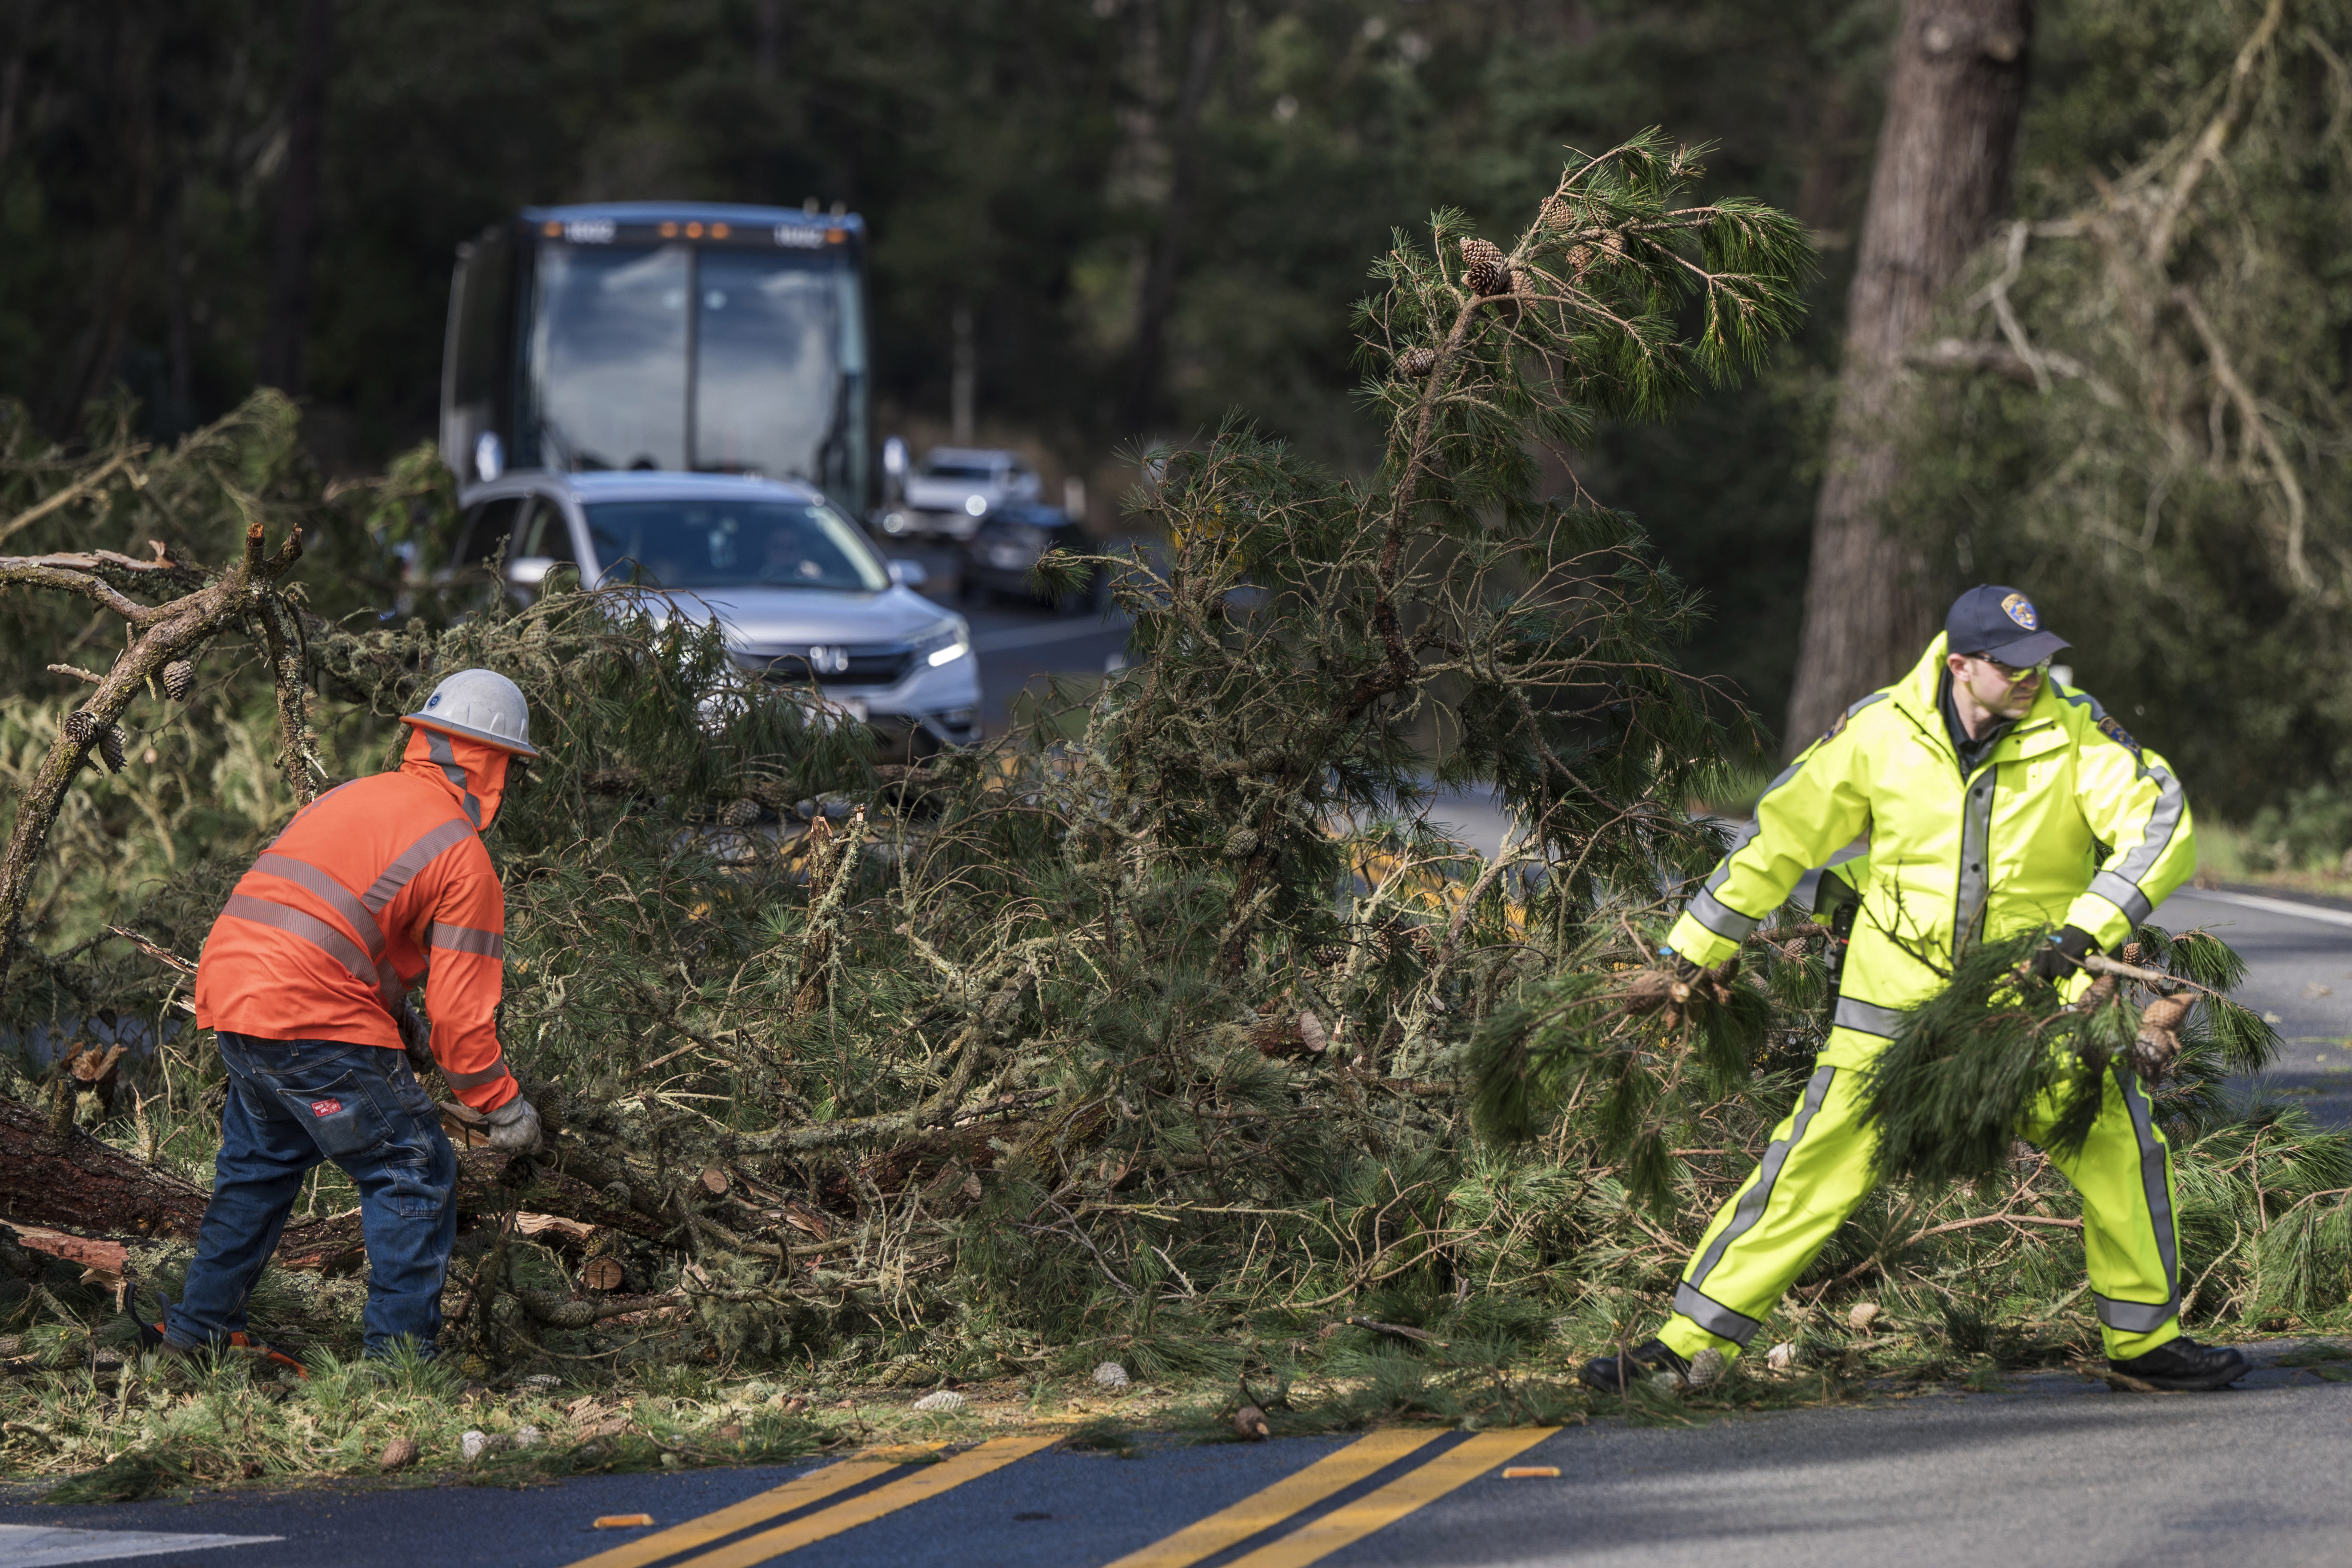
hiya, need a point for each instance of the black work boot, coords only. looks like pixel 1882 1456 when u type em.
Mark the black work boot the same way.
pixel 2184 1364
pixel 1616 1373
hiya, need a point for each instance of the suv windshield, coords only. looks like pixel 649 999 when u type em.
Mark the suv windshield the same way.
pixel 957 472
pixel 732 544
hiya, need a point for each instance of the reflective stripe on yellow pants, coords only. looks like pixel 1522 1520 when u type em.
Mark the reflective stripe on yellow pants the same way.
pixel 1818 1168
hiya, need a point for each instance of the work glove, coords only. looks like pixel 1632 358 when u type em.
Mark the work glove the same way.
pixel 415 1038
pixel 514 1127
pixel 2063 955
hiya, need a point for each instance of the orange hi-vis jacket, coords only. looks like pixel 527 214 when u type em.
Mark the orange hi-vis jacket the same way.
pixel 371 885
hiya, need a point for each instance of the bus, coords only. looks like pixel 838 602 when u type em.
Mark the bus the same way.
pixel 675 336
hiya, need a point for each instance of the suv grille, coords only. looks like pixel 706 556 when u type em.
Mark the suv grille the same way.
pixel 832 664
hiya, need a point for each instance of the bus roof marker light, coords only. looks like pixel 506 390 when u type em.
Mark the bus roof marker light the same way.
pixel 836 236
pixel 719 231
pixel 694 231
pixel 669 231
pixel 551 228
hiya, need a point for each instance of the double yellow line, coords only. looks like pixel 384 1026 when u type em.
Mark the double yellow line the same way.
pixel 1253 1515
pixel 1377 1508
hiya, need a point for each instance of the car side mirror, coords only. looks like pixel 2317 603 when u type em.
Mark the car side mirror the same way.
pixel 909 573
pixel 529 571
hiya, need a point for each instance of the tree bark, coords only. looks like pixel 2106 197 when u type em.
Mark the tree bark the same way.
pixel 72 1181
pixel 288 331
pixel 1940 181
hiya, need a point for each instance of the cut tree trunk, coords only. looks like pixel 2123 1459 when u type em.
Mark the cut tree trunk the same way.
pixel 73 1182
pixel 1940 181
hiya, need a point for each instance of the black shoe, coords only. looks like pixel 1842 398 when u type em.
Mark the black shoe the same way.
pixel 1616 1373
pixel 2184 1364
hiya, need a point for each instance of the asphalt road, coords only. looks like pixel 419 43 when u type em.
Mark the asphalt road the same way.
pixel 2056 1469
pixel 2299 976
pixel 1018 643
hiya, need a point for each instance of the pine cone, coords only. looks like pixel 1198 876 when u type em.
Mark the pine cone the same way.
pixel 2151 1055
pixel 1415 364
pixel 1241 842
pixel 179 679
pixel 81 726
pixel 110 747
pixel 1556 215
pixel 1490 273
pixel 741 813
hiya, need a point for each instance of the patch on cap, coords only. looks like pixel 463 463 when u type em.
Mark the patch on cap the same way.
pixel 2020 608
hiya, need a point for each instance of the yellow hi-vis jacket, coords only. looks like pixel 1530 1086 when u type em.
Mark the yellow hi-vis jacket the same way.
pixel 2067 821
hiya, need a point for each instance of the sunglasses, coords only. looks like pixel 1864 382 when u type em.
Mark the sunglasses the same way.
pixel 2013 673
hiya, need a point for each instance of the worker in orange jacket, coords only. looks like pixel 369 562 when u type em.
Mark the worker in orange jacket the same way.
pixel 304 979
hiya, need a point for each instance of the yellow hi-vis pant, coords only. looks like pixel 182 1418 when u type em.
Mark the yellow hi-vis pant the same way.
pixel 1818 1168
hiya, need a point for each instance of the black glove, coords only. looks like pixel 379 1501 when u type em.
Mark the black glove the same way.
pixel 415 1039
pixel 2063 955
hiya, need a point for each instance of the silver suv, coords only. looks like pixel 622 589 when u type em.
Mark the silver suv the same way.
pixel 954 487
pixel 800 591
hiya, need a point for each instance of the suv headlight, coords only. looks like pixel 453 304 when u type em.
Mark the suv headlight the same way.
pixel 945 646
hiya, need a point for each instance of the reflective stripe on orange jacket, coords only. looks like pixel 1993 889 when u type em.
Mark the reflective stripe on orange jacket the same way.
pixel 371 885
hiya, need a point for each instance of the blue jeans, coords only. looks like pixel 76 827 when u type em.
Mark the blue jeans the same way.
pixel 292 1104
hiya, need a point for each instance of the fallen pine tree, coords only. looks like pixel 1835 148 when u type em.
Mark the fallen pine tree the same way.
pixel 1166 1028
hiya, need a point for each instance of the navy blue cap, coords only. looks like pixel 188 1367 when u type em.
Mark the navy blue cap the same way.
pixel 1998 623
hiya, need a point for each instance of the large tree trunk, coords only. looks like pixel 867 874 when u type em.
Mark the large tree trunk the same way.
pixel 1941 179
pixel 287 329
pixel 70 1180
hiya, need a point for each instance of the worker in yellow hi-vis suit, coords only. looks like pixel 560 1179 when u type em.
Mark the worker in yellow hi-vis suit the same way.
pixel 1996 801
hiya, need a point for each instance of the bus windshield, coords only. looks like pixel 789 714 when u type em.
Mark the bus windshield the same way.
pixel 677 356
pixel 698 544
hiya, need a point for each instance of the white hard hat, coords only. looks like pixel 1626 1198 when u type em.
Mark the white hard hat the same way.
pixel 482 705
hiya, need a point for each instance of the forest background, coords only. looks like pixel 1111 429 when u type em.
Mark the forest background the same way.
pixel 1151 212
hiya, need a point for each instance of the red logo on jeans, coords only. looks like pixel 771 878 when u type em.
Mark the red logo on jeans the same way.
pixel 326 1108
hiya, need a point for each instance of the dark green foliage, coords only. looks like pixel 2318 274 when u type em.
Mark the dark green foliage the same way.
pixel 1951 1093
pixel 1968 1067
pixel 1637 1083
